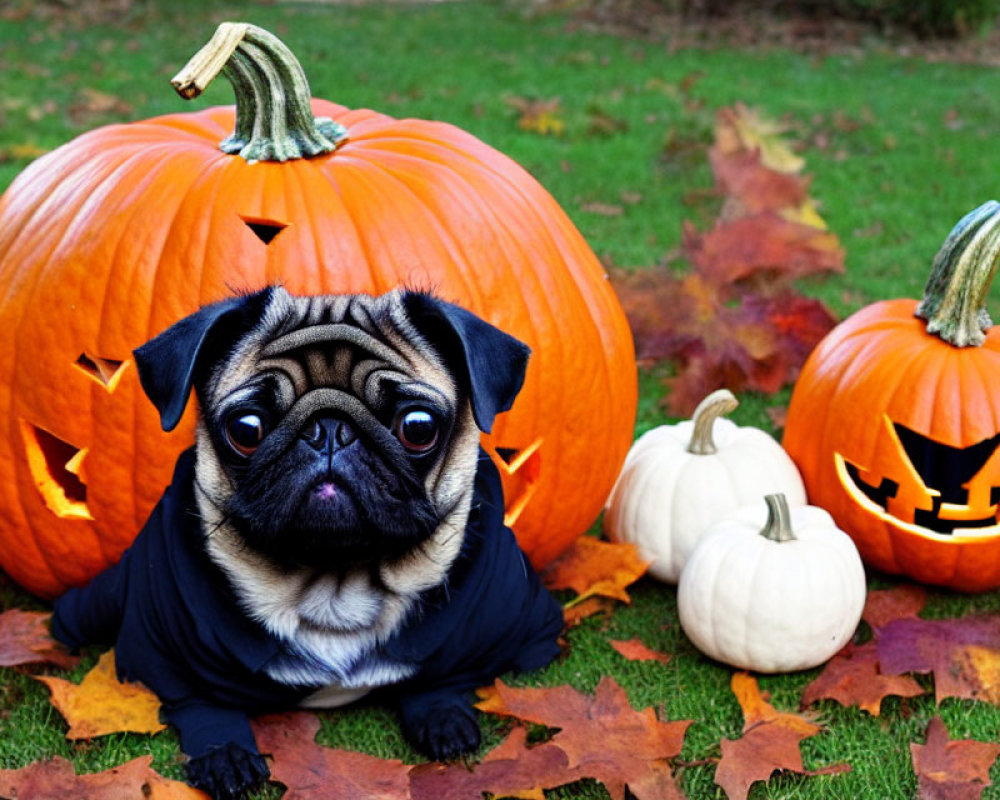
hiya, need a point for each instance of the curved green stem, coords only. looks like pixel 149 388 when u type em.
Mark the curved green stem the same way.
pixel 717 404
pixel 274 119
pixel 954 302
pixel 778 527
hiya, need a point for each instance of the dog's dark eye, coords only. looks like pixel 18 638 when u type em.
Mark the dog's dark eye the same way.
pixel 417 430
pixel 245 432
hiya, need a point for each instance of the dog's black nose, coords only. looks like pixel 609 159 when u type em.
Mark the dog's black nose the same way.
pixel 328 432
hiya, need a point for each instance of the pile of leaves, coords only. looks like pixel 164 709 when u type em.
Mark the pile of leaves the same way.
pixel 558 735
pixel 735 319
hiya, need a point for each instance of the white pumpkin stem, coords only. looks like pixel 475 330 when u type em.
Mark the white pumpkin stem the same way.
pixel 778 527
pixel 274 119
pixel 717 404
pixel 954 302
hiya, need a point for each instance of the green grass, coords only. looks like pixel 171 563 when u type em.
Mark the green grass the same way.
pixel 899 149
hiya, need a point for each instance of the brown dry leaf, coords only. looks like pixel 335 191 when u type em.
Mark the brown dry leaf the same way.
pixel 511 770
pixel 25 639
pixel 576 613
pixel 90 105
pixel 853 678
pixel 963 654
pixel 313 772
pixel 635 650
pixel 603 736
pixel 56 778
pixel 770 742
pixel 951 769
pixel 594 567
pixel 882 606
pixel 101 704
pixel 538 116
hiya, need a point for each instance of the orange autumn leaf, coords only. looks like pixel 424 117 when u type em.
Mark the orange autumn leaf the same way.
pixel 603 736
pixel 56 778
pixel 770 742
pixel 25 639
pixel 951 769
pixel 636 650
pixel 594 567
pixel 577 612
pixel 853 678
pixel 101 704
pixel 313 772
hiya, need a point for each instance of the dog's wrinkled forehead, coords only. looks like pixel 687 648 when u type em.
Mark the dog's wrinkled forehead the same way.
pixel 352 344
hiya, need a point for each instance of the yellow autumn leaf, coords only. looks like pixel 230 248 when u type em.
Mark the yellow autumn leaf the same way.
pixel 742 128
pixel 101 704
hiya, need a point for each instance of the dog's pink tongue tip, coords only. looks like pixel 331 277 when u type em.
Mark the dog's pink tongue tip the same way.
pixel 326 491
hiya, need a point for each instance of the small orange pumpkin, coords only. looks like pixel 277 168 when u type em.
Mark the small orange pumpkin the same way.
pixel 122 231
pixel 895 421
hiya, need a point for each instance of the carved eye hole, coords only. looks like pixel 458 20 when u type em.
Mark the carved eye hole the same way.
pixel 244 432
pixel 417 430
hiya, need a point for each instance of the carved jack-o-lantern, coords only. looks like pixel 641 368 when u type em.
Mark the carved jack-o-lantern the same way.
pixel 117 234
pixel 895 421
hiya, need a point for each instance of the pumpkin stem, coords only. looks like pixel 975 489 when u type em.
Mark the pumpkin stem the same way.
pixel 717 404
pixel 274 119
pixel 954 302
pixel 778 527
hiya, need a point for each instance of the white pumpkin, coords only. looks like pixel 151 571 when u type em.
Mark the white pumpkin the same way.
pixel 679 479
pixel 772 589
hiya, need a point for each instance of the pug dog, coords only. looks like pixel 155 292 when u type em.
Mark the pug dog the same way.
pixel 335 530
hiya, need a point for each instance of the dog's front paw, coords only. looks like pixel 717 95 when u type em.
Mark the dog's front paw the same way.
pixel 228 772
pixel 447 731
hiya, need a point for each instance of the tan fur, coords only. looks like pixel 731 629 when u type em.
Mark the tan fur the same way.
pixel 336 617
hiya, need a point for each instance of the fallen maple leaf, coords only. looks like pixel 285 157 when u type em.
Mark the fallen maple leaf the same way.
pixel 951 769
pixel 635 650
pixel 101 704
pixel 575 613
pixel 770 742
pixel 594 567
pixel 735 320
pixel 538 116
pixel 25 639
pixel 882 606
pixel 603 736
pixel 963 654
pixel 56 778
pixel 310 770
pixel 512 769
pixel 853 678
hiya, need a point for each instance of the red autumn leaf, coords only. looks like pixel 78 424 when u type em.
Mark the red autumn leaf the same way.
pixel 735 320
pixel 952 769
pixel 603 736
pixel 56 778
pixel 313 772
pixel 635 650
pixel 853 678
pixel 25 639
pixel 593 567
pixel 882 606
pixel 764 249
pixel 511 770
pixel 770 742
pixel 963 654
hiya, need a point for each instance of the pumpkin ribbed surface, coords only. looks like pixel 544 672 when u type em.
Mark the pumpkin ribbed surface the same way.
pixel 875 374
pixel 117 234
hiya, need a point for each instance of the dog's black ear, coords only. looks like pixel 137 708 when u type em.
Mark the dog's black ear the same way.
pixel 169 363
pixel 494 362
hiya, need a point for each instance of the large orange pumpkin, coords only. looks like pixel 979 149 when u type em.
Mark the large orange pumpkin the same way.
pixel 895 421
pixel 112 237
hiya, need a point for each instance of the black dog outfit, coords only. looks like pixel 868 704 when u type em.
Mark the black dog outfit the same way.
pixel 178 628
